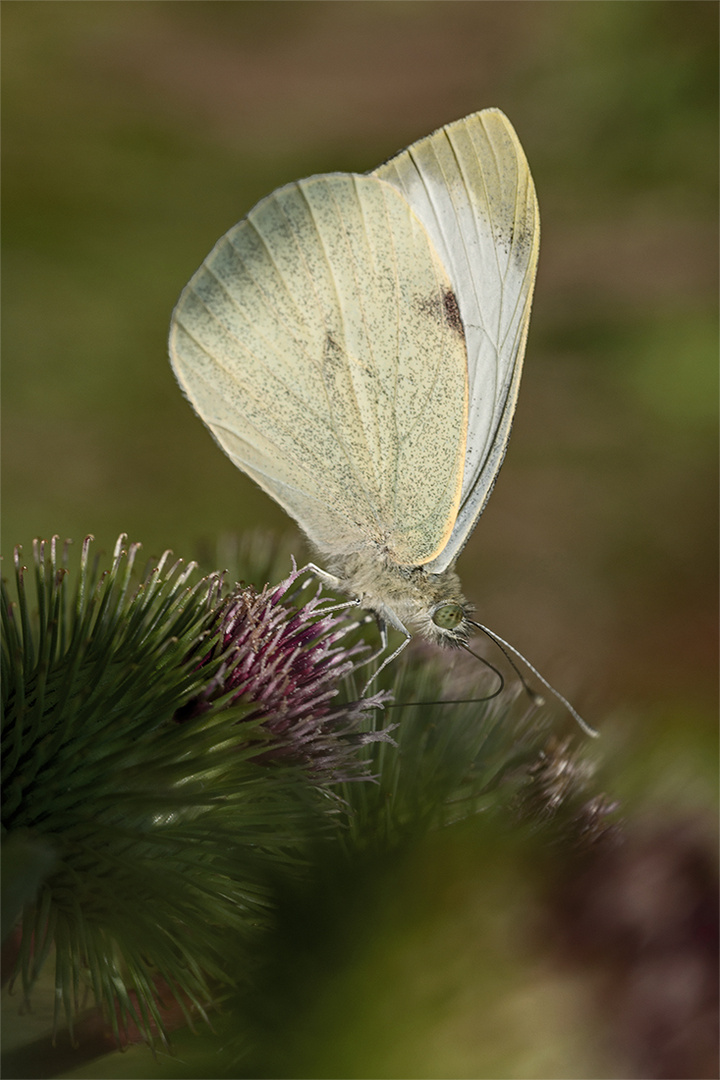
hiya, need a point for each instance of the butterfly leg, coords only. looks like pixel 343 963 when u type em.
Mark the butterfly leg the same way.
pixel 382 625
pixel 388 660
pixel 331 582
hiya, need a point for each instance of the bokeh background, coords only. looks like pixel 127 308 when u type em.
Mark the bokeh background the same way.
pixel 135 134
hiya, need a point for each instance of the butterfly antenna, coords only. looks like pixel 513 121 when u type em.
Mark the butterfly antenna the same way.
pixel 504 646
pixel 494 670
pixel 459 701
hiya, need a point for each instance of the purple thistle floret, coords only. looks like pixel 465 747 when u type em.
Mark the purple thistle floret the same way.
pixel 290 661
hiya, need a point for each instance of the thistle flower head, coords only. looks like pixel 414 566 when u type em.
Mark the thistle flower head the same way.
pixel 287 665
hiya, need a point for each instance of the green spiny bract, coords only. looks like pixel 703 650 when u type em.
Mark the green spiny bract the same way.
pixel 148 790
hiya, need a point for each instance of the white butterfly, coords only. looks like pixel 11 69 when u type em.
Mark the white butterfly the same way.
pixel 355 346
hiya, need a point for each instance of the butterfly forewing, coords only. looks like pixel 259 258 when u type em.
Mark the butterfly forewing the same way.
pixel 470 185
pixel 319 342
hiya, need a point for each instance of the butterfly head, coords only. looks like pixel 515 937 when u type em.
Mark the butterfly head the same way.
pixel 434 607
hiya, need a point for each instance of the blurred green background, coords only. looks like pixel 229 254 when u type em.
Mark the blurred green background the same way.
pixel 135 134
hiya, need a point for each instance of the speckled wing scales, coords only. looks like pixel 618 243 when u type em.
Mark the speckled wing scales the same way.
pixel 470 185
pixel 317 342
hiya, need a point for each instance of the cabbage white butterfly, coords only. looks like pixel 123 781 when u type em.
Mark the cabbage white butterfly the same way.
pixel 355 346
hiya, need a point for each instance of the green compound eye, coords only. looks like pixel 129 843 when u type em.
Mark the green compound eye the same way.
pixel 448 616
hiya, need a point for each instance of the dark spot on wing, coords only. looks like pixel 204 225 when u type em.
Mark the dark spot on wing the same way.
pixel 452 312
pixel 517 242
pixel 443 309
pixel 506 239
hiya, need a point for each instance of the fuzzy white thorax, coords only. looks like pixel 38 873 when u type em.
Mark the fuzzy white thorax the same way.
pixel 404 597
